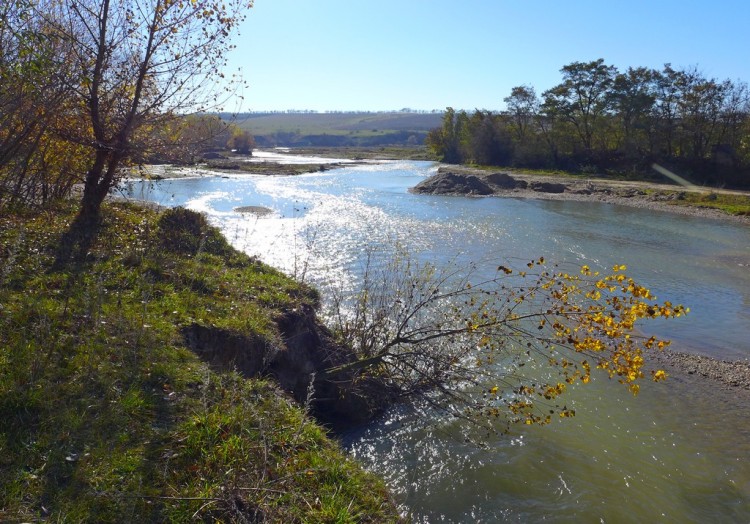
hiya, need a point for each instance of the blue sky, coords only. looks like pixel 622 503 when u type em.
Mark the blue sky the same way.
pixel 430 54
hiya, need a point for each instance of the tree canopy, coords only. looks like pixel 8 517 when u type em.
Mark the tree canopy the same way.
pixel 104 83
pixel 599 119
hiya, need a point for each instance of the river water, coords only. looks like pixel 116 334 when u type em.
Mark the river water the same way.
pixel 679 452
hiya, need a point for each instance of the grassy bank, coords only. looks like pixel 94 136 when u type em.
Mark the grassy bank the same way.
pixel 109 417
pixel 730 203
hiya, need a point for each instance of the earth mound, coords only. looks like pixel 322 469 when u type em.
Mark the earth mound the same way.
pixel 448 183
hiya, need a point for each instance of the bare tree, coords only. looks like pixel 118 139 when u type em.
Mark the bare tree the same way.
pixel 35 78
pixel 459 336
pixel 138 62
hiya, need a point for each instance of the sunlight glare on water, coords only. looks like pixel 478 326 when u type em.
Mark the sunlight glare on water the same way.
pixel 676 453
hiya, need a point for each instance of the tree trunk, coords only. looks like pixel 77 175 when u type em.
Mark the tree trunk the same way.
pixel 76 242
pixel 93 192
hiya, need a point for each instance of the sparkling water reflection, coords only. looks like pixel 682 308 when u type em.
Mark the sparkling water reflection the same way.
pixel 675 453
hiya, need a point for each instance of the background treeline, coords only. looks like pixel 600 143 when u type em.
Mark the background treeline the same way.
pixel 604 121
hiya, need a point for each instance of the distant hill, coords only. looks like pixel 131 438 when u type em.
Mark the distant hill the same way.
pixel 305 129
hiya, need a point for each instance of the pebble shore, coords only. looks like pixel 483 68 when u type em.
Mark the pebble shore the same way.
pixel 726 374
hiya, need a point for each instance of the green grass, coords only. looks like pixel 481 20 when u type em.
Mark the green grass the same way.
pixel 732 204
pixel 108 417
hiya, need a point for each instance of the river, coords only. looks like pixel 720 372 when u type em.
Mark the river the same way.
pixel 676 453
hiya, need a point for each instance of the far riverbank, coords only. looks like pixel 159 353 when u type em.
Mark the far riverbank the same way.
pixel 691 200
